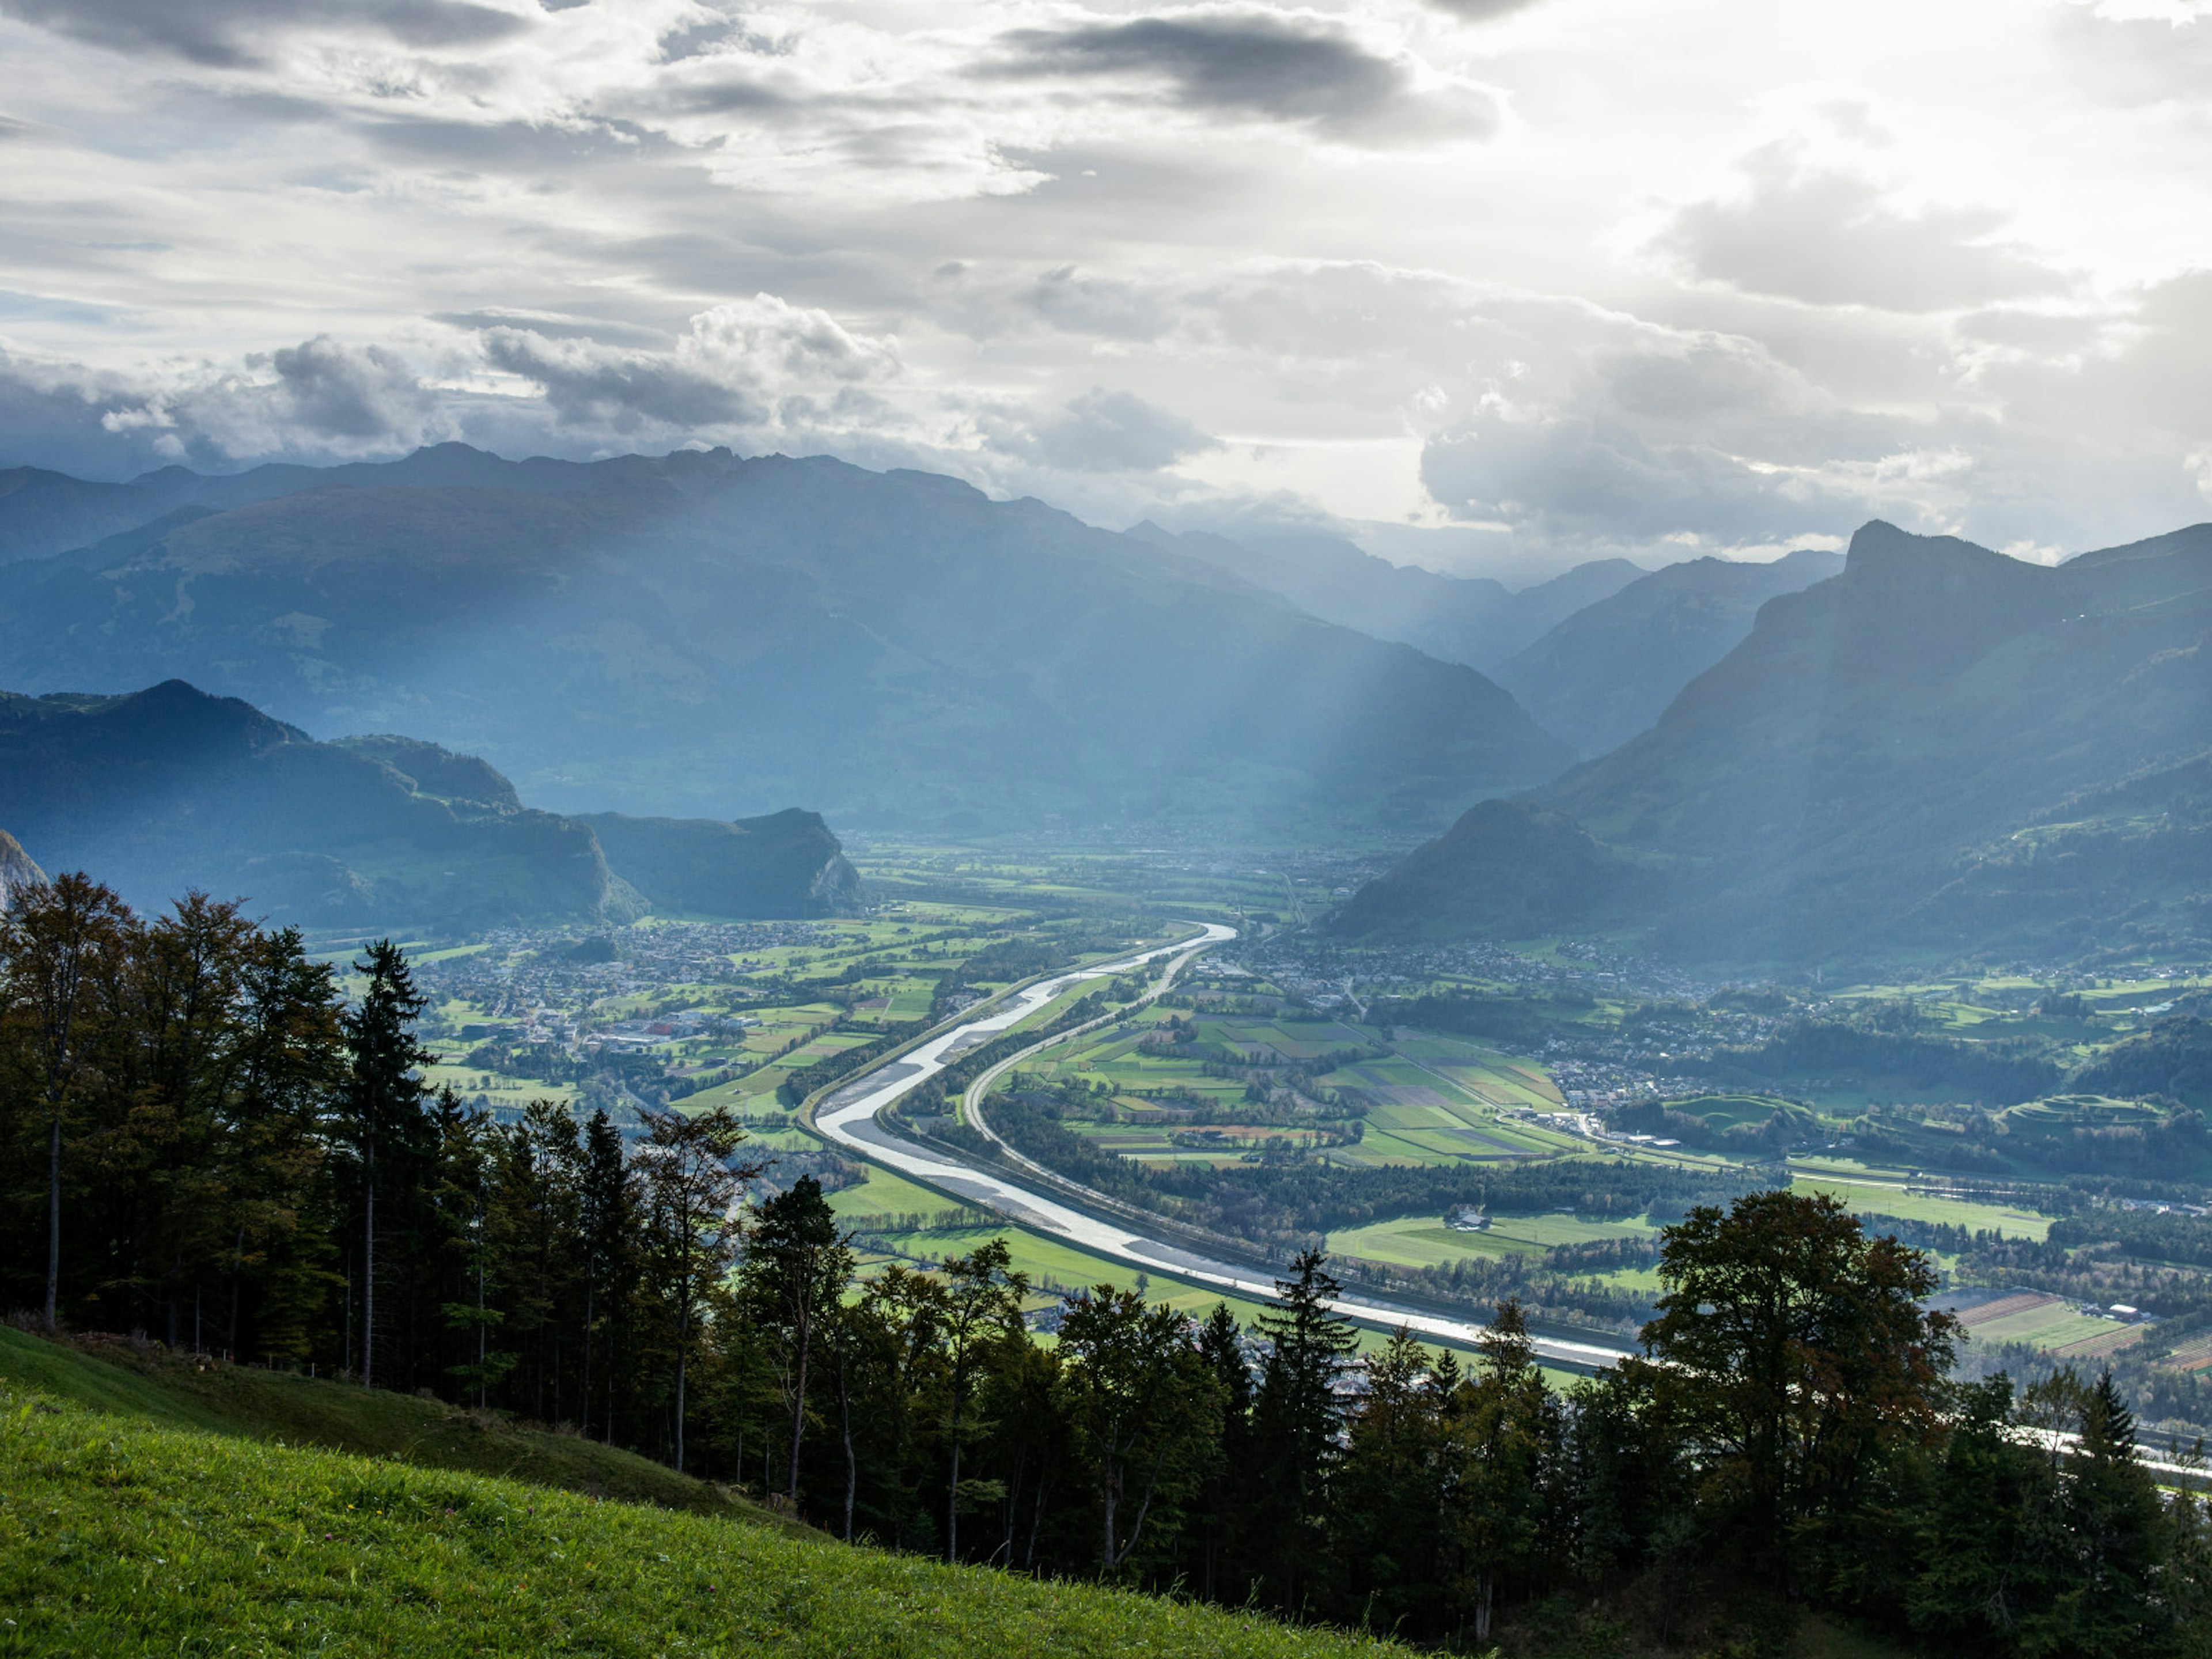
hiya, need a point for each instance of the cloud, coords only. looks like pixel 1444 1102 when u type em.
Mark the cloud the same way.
pixel 1102 431
pixel 318 400
pixel 1257 65
pixel 330 391
pixel 1829 238
pixel 224 33
pixel 748 363
pixel 1482 11
pixel 1580 477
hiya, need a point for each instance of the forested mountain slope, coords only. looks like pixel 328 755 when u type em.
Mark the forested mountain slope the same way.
pixel 1943 748
pixel 170 788
pixel 1609 670
pixel 707 632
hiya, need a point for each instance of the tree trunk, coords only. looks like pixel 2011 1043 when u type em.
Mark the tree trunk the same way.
pixel 798 1412
pixel 1036 1518
pixel 952 1493
pixel 368 1282
pixel 237 1272
pixel 1107 1494
pixel 682 1353
pixel 53 1213
pixel 584 1426
pixel 845 1422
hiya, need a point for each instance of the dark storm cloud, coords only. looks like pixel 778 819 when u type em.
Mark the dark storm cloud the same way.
pixel 1830 239
pixel 1244 64
pixel 331 391
pixel 619 391
pixel 54 418
pixel 230 32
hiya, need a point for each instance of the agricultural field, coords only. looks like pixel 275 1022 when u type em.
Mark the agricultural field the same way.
pixel 2039 1320
pixel 1907 1203
pixel 1192 1086
pixel 1427 1241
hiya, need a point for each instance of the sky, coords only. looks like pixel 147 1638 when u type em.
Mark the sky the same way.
pixel 1492 285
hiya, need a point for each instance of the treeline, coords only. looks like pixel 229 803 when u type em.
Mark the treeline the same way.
pixel 1787 1124
pixel 2002 1072
pixel 2173 1059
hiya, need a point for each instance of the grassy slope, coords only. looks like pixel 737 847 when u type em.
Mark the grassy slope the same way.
pixel 178 1392
pixel 121 1536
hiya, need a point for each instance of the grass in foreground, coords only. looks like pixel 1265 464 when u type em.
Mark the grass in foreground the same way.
pixel 178 1391
pixel 119 1537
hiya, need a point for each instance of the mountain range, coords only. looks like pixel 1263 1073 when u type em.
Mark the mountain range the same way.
pixel 1608 671
pixel 1942 750
pixel 701 634
pixel 169 788
pixel 1475 620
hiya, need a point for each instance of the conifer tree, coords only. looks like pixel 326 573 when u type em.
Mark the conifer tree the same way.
pixel 606 1197
pixel 1220 1509
pixel 796 1268
pixel 1297 1416
pixel 383 1099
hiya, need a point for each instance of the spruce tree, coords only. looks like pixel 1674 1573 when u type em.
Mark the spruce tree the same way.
pixel 1298 1416
pixel 607 1193
pixel 796 1268
pixel 383 1099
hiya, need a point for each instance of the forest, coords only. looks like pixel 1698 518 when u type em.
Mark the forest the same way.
pixel 203 1139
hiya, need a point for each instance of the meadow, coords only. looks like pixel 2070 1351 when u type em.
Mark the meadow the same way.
pixel 119 1537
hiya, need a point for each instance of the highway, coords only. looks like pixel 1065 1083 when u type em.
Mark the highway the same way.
pixel 849 1116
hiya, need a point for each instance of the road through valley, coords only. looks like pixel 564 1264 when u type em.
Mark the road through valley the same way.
pixel 851 1117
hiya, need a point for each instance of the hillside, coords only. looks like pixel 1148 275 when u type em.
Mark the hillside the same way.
pixel 1474 620
pixel 1944 750
pixel 703 634
pixel 786 864
pixel 1506 870
pixel 119 1536
pixel 169 788
pixel 1609 670
pixel 180 1391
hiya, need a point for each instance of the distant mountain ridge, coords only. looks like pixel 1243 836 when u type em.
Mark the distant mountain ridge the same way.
pixel 170 788
pixel 1475 620
pixel 1944 750
pixel 1608 672
pixel 701 634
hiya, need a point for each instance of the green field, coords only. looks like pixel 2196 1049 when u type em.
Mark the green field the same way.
pixel 1425 1242
pixel 1876 1198
pixel 1426 1099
